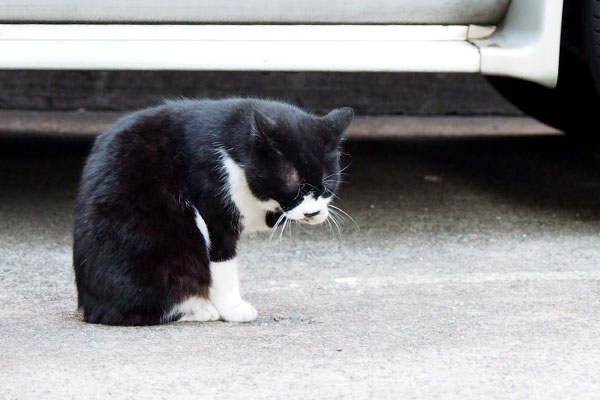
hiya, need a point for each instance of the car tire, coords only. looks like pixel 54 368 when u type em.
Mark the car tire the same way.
pixel 590 18
pixel 574 104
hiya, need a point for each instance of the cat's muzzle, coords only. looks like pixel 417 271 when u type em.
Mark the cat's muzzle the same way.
pixel 316 217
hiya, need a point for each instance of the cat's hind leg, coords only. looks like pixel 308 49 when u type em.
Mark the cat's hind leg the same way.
pixel 195 308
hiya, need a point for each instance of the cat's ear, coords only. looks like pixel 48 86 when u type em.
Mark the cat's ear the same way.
pixel 265 129
pixel 338 121
pixel 264 126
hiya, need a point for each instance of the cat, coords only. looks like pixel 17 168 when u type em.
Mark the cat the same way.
pixel 167 191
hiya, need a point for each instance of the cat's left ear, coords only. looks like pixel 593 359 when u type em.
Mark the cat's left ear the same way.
pixel 338 121
pixel 265 130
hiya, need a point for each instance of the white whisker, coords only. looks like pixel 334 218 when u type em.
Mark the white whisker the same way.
pixel 330 227
pixel 339 217
pixel 345 168
pixel 283 229
pixel 337 225
pixel 290 229
pixel 274 229
pixel 335 196
pixel 300 225
pixel 345 213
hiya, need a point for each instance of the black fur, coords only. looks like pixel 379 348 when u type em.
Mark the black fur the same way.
pixel 137 250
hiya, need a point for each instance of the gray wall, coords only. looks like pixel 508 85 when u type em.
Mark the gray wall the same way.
pixel 368 93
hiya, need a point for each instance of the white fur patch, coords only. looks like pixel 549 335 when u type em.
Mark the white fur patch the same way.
pixel 310 205
pixel 225 292
pixel 202 227
pixel 252 210
pixel 195 309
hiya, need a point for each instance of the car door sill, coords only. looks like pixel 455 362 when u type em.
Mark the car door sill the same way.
pixel 377 48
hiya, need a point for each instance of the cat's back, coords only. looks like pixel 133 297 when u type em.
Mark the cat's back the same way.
pixel 156 140
pixel 141 141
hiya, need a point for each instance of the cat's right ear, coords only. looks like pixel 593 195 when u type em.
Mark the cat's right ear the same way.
pixel 264 129
pixel 338 120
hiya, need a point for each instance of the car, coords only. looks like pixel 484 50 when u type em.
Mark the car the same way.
pixel 515 42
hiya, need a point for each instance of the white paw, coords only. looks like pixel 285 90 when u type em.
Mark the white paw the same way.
pixel 197 309
pixel 241 312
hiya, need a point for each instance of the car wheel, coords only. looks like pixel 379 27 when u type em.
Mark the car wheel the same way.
pixel 574 104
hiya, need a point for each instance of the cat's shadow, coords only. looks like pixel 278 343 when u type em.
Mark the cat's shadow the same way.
pixel 542 173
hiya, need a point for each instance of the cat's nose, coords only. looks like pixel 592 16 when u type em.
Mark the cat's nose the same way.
pixel 311 214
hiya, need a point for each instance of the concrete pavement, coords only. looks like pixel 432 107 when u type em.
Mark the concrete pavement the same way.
pixel 473 273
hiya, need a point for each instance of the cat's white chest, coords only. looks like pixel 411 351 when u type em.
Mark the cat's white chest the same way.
pixel 252 210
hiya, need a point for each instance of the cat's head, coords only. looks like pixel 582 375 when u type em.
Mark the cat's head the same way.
pixel 294 165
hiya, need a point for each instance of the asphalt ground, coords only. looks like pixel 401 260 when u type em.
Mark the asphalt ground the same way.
pixel 472 272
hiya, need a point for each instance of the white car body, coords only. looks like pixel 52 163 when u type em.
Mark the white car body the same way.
pixel 518 38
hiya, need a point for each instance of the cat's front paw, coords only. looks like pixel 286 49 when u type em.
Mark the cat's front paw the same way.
pixel 241 312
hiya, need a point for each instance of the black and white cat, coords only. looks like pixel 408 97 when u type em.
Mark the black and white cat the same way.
pixel 166 193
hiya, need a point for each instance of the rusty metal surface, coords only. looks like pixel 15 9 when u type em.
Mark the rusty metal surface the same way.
pixel 89 123
pixel 367 93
